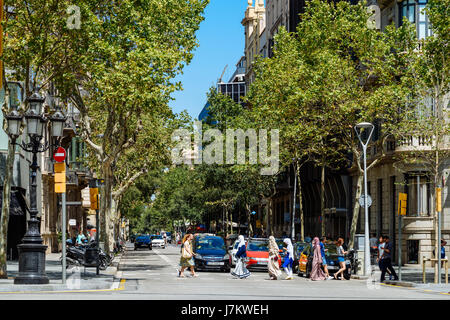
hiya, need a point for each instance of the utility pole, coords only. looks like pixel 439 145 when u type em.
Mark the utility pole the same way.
pixel 60 187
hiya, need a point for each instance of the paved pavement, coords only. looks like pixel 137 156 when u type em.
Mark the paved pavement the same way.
pixel 152 275
pixel 77 278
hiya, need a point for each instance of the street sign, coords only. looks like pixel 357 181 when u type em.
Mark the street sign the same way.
pixel 60 154
pixel 72 222
pixel 369 201
pixel 402 203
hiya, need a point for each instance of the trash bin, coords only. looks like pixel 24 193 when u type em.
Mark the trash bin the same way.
pixel 91 257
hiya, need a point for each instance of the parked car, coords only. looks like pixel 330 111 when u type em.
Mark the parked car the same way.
pixel 258 253
pixel 211 253
pixel 157 241
pixel 306 257
pixel 299 247
pixel 143 240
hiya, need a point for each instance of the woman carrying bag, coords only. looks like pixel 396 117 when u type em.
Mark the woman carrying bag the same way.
pixel 187 260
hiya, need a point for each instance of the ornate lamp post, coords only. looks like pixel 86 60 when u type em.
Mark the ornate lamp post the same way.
pixel 32 251
pixel 365 126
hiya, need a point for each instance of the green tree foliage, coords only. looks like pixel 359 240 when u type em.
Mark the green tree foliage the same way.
pixel 332 73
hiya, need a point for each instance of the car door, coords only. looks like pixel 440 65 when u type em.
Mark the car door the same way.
pixel 304 256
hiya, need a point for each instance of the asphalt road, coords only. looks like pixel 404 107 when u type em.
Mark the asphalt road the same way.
pixel 152 275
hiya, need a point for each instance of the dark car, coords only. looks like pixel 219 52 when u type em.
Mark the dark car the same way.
pixel 211 253
pixel 306 258
pixel 142 240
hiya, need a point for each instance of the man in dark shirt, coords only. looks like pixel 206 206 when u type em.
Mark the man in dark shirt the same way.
pixel 386 263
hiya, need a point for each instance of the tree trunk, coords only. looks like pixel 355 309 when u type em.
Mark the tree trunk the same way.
pixel 231 225
pixel 322 201
pixel 227 215
pixel 249 219
pixel 355 211
pixel 270 219
pixel 105 207
pixel 5 209
pixel 300 203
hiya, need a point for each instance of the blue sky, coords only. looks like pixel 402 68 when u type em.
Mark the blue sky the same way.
pixel 221 42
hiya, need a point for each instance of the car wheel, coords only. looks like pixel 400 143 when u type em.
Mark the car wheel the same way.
pixel 308 272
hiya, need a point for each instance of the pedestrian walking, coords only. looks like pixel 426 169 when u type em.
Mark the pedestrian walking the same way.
pixel 380 254
pixel 386 262
pixel 341 258
pixel 274 256
pixel 177 237
pixel 289 259
pixel 187 256
pixel 316 270
pixel 240 271
pixel 165 239
pixel 324 259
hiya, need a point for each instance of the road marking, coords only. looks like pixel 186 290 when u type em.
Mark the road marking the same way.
pixel 166 259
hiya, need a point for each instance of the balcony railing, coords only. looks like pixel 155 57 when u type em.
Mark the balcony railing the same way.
pixel 415 143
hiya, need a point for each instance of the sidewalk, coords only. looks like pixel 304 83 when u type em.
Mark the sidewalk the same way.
pixel 77 278
pixel 412 276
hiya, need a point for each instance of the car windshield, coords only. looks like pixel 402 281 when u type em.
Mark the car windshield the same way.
pixel 210 243
pixel 257 246
pixel 332 249
pixel 157 237
pixel 280 244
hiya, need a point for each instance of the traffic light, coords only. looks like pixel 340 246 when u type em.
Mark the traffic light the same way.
pixel 93 192
pixel 438 199
pixel 60 177
pixel 402 203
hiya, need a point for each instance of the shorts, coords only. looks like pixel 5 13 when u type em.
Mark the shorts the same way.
pixel 324 261
pixel 341 259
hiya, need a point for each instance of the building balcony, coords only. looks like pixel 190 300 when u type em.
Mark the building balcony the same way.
pixel 415 143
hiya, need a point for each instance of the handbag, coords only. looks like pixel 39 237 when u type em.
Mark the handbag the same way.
pixel 185 254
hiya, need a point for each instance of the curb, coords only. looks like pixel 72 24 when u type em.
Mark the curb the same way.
pixel 358 277
pixel 50 288
pixel 400 283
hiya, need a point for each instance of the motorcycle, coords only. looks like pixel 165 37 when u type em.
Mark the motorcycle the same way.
pixel 76 255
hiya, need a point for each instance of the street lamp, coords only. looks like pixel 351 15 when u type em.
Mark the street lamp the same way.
pixel 32 251
pixel 14 118
pixel 370 127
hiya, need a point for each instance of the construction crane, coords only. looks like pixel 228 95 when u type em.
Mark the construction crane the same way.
pixel 220 79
